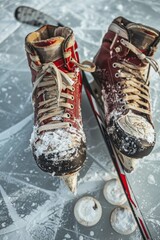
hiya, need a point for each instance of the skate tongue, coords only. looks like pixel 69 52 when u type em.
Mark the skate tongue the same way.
pixel 52 43
pixel 141 37
pixel 50 49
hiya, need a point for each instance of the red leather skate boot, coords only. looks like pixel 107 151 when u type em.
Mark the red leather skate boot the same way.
pixel 58 140
pixel 123 64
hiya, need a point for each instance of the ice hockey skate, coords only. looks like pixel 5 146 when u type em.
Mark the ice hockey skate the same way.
pixel 122 72
pixel 58 139
pixel 129 163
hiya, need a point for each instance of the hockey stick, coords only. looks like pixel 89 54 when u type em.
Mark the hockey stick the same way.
pixel 34 17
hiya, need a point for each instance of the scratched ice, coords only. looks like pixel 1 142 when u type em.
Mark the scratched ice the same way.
pixel 35 205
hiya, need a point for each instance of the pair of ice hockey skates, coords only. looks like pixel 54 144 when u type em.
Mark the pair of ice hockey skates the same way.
pixel 120 68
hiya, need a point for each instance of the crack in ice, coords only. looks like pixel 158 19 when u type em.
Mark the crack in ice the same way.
pixel 6 134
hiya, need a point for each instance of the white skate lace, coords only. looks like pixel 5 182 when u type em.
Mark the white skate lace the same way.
pixel 50 81
pixel 135 80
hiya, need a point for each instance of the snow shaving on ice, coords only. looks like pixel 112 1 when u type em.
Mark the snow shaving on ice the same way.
pixel 61 141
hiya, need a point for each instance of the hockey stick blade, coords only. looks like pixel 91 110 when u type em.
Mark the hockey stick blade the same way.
pixel 31 16
pixel 37 18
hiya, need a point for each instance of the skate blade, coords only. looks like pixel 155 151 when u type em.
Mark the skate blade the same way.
pixel 129 164
pixel 71 181
pixel 97 93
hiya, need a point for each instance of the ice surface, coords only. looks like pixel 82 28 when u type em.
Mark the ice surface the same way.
pixel 33 204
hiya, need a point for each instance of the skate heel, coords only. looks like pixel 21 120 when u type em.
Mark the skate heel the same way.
pixel 129 164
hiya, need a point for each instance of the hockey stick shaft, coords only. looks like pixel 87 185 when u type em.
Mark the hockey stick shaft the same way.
pixel 34 17
pixel 37 18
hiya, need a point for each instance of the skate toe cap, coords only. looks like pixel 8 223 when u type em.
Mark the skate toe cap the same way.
pixel 134 136
pixel 59 152
pixel 62 163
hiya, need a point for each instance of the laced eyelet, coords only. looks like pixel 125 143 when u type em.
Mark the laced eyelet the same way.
pixel 122 41
pixel 123 86
pixel 117 75
pixel 73 89
pixel 114 65
pixel 123 107
pixel 118 49
pixel 68 115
